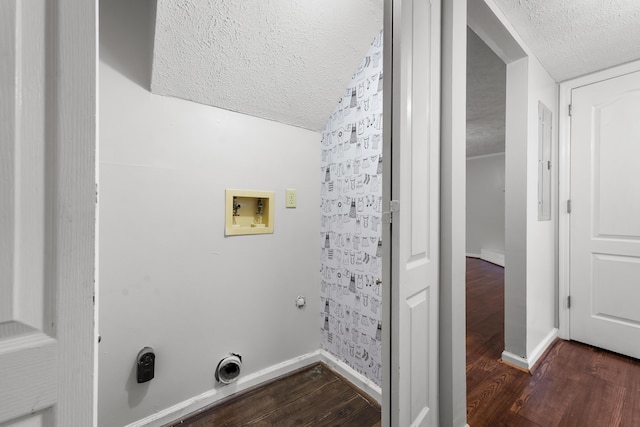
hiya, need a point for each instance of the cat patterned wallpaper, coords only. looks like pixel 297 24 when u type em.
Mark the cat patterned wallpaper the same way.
pixel 350 232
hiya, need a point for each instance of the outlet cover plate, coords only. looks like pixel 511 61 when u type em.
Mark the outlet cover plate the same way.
pixel 290 197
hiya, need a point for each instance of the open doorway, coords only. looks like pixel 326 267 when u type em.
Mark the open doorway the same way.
pixel 486 98
pixel 528 242
pixel 485 214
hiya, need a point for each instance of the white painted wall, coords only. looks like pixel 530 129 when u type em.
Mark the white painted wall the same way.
pixel 169 278
pixel 515 283
pixel 530 266
pixel 530 245
pixel 485 203
pixel 541 241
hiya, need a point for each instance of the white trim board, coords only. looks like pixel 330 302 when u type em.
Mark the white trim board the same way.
pixel 515 360
pixel 489 255
pixel 212 396
pixel 492 256
pixel 482 156
pixel 360 381
pixel 527 363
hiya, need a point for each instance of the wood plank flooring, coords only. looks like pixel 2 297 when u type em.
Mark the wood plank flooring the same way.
pixel 573 385
pixel 314 396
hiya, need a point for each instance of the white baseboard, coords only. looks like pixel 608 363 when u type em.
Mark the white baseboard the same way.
pixel 470 255
pixel 354 377
pixel 515 360
pixel 527 363
pixel 209 397
pixel 494 257
pixel 542 347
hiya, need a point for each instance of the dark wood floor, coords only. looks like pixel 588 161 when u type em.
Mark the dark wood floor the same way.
pixel 314 396
pixel 573 385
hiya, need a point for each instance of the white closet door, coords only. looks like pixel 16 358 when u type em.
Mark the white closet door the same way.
pixel 605 215
pixel 47 212
pixel 414 206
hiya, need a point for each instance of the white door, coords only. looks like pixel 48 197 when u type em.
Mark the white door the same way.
pixel 412 142
pixel 605 215
pixel 47 212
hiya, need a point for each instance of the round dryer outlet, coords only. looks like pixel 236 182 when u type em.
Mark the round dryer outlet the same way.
pixel 228 369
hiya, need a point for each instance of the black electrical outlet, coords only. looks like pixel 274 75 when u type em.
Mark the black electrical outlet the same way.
pixel 146 365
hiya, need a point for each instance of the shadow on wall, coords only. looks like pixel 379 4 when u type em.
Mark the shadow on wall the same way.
pixel 126 38
pixel 136 392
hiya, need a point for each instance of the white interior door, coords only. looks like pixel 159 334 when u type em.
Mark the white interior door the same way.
pixel 47 212
pixel 605 215
pixel 414 206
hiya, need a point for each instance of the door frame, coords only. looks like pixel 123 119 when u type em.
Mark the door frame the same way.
pixel 75 192
pixel 564 192
pixel 395 100
pixel 452 388
pixel 451 330
pixel 386 229
pixel 492 27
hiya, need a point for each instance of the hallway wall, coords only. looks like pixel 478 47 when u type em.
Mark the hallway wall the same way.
pixel 530 246
pixel 168 277
pixel 485 203
pixel 351 230
pixel 541 240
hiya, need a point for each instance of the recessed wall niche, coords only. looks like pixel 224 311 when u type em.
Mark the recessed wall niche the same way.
pixel 248 212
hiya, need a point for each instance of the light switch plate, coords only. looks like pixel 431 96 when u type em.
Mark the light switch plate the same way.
pixel 291 197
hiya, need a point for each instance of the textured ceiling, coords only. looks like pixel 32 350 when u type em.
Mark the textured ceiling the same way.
pixel 576 37
pixel 283 60
pixel 290 60
pixel 486 96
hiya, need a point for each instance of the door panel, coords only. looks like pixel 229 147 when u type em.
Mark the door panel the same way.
pixel 605 225
pixel 614 276
pixel 28 371
pixel 414 229
pixel 616 153
pixel 27 352
pixel 419 315
pixel 47 211
pixel 36 420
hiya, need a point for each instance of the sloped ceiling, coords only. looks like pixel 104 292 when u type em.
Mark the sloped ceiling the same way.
pixel 576 37
pixel 283 60
pixel 486 97
pixel 290 60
